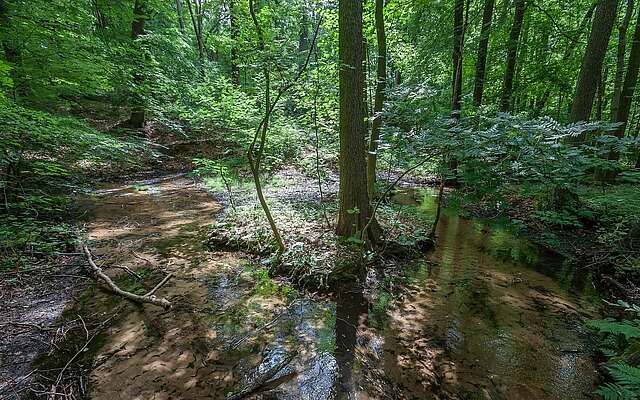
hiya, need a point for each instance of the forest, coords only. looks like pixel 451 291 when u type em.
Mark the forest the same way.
pixel 319 199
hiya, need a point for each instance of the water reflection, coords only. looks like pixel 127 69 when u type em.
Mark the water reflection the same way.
pixel 497 317
pixel 351 313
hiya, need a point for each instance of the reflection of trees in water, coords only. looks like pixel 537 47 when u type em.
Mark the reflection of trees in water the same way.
pixel 351 311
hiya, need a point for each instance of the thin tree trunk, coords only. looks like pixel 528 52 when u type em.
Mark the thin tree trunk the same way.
pixel 483 46
pixel 512 53
pixel 591 68
pixel 180 14
pixel 196 21
pixel 261 132
pixel 138 114
pixel 629 85
pixel 381 82
pixel 458 33
pixel 620 55
pixel 355 208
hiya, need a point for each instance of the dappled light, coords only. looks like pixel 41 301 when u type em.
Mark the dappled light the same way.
pixel 319 200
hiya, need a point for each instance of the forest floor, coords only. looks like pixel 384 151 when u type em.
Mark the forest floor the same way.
pixel 218 337
pixel 235 331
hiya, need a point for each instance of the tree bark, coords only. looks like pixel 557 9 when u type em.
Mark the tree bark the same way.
pixel 138 112
pixel 458 38
pixel 621 52
pixel 512 54
pixel 195 12
pixel 381 83
pixel 591 68
pixel 481 62
pixel 355 208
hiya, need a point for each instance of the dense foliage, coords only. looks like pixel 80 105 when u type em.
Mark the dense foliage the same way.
pixel 94 87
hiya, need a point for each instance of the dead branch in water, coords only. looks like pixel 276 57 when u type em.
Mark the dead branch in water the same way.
pixel 147 298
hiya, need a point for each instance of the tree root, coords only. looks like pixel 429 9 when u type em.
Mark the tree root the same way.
pixel 147 298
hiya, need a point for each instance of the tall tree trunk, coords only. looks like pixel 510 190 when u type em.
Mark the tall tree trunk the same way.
pixel 626 98
pixel 481 63
pixel 621 52
pixel 137 118
pixel 381 83
pixel 629 85
pixel 591 68
pixel 235 36
pixel 512 53
pixel 180 14
pixel 458 38
pixel 195 12
pixel 355 209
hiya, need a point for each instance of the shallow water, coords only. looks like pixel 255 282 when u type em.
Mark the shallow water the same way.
pixel 487 316
pixel 484 316
pixel 505 314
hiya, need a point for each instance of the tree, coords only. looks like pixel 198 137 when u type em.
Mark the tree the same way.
pixel 629 85
pixel 483 45
pixel 512 54
pixel 381 83
pixel 137 118
pixel 180 14
pixel 196 12
pixel 458 43
pixel 569 50
pixel 591 68
pixel 354 207
pixel 621 52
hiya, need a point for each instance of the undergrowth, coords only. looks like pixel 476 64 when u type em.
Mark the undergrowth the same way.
pixel 620 343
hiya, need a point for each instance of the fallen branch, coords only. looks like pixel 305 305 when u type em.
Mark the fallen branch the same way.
pixel 147 298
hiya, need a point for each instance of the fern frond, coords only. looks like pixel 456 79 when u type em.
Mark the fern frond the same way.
pixel 613 391
pixel 629 329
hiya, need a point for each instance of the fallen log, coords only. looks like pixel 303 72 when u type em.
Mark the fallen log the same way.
pixel 147 298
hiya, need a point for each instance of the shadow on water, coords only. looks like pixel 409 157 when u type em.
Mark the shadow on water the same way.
pixel 351 313
pixel 488 315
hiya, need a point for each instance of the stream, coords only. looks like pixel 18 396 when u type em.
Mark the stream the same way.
pixel 485 315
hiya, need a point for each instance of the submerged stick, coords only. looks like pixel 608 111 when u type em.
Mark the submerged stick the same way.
pixel 147 298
